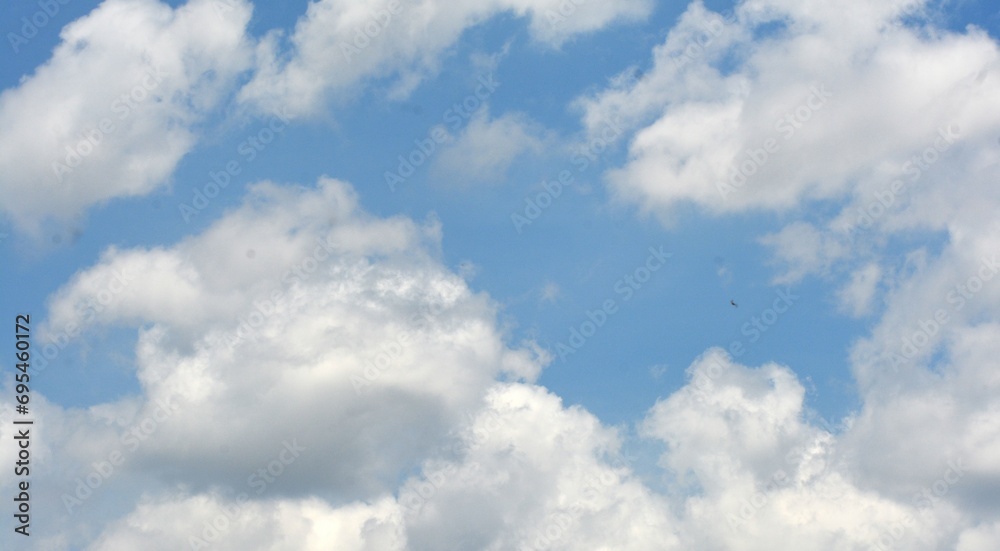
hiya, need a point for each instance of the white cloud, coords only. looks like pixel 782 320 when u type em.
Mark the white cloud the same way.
pixel 525 443
pixel 856 297
pixel 761 478
pixel 186 522
pixel 828 101
pixel 487 147
pixel 917 425
pixel 336 46
pixel 518 469
pixel 981 538
pixel 210 279
pixel 523 471
pixel 802 249
pixel 343 335
pixel 116 106
pixel 470 495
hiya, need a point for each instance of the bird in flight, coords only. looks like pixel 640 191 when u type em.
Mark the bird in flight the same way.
pixel 734 303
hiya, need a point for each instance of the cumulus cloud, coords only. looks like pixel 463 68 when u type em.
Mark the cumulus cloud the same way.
pixel 116 106
pixel 339 318
pixel 819 106
pixel 761 477
pixel 744 470
pixel 336 46
pixel 743 467
pixel 931 437
pixel 212 521
pixel 342 335
pixel 471 495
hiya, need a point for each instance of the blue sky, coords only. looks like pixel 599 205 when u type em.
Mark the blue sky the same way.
pixel 820 309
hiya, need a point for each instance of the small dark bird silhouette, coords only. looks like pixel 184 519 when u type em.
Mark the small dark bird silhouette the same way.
pixel 734 303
